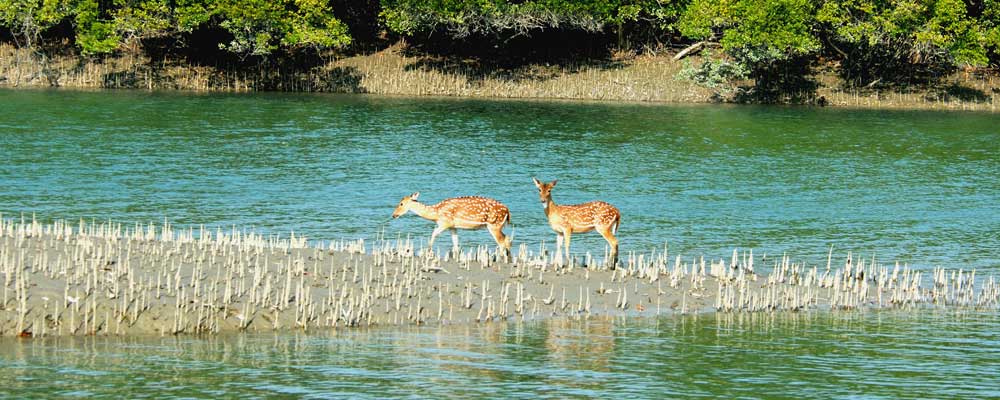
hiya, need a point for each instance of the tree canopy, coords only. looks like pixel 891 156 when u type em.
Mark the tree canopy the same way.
pixel 872 40
pixel 255 27
pixel 461 18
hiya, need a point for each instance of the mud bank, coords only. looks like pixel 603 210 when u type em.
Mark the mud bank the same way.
pixel 90 278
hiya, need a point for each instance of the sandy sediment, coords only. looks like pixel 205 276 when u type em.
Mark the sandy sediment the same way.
pixel 91 278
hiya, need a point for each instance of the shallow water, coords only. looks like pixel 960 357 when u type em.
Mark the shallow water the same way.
pixel 933 354
pixel 920 187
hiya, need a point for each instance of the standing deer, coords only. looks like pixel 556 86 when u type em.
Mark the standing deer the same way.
pixel 579 218
pixel 469 212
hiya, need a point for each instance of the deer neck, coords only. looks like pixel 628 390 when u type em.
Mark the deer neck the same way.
pixel 424 211
pixel 550 207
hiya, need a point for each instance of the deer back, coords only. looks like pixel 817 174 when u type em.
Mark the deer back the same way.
pixel 587 215
pixel 473 209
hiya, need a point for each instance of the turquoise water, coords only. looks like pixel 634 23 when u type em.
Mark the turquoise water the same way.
pixel 821 355
pixel 920 187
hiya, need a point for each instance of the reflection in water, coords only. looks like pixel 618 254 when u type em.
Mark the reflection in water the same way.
pixel 593 346
pixel 881 354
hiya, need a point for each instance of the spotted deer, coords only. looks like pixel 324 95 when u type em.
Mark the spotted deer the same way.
pixel 579 218
pixel 469 212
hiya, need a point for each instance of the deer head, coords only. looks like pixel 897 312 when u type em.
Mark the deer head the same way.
pixel 405 204
pixel 544 191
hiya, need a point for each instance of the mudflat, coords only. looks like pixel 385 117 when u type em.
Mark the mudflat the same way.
pixel 109 279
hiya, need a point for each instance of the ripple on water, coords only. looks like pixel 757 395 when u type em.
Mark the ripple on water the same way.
pixel 890 354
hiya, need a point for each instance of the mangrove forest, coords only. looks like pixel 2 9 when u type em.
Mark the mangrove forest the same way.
pixel 767 49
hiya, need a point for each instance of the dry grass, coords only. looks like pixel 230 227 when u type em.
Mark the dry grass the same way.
pixel 961 91
pixel 393 71
pixel 638 79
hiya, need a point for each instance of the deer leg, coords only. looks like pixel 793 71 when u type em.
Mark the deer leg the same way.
pixel 568 234
pixel 498 236
pixel 607 232
pixel 559 241
pixel 434 235
pixel 454 241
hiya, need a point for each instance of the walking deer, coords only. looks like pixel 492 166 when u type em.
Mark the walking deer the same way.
pixel 579 218
pixel 469 212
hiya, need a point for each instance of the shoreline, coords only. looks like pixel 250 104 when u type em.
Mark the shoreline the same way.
pixel 648 79
pixel 901 108
pixel 103 279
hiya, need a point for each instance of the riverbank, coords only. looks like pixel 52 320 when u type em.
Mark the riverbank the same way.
pixel 109 279
pixel 397 71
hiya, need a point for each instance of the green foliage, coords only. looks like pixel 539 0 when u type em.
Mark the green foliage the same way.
pixel 715 73
pixel 94 35
pixel 463 17
pixel 877 40
pixel 924 29
pixel 97 37
pixel 989 21
pixel 781 27
pixel 759 39
pixel 142 18
pixel 258 27
pixel 772 42
pixel 190 14
pixel 27 19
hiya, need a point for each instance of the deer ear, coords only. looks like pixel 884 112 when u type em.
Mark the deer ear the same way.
pixel 553 184
pixel 537 183
pixel 414 195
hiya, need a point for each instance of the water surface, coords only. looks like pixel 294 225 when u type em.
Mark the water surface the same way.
pixel 919 187
pixel 934 354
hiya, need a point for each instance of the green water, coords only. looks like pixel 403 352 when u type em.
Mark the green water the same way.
pixel 919 187
pixel 870 355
